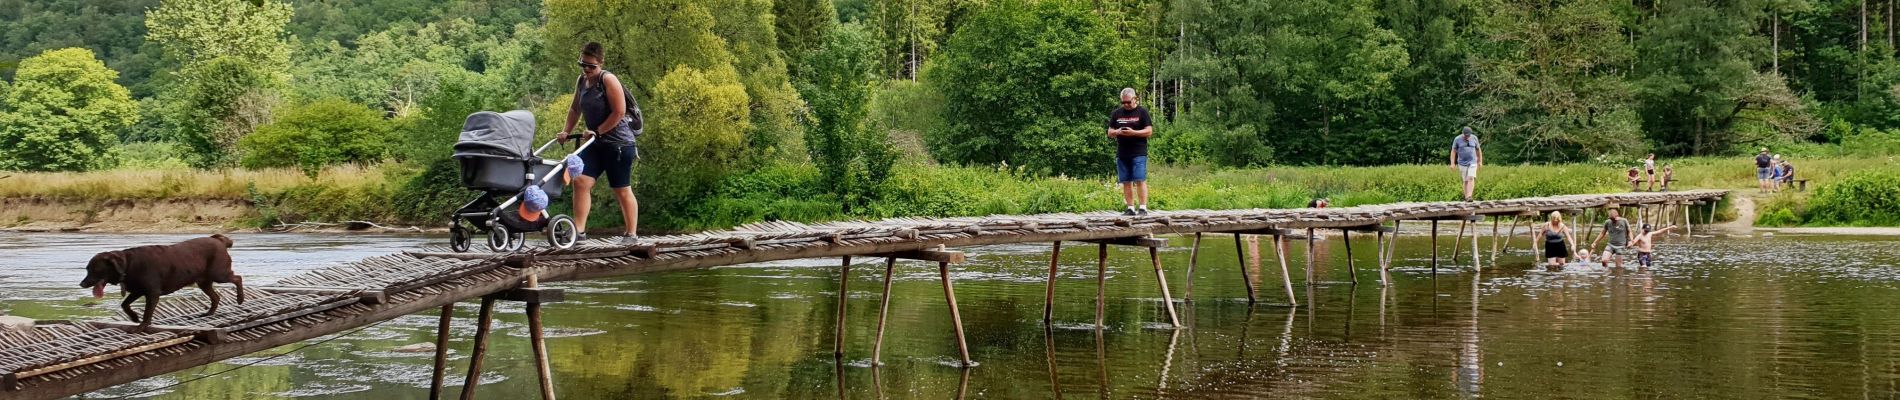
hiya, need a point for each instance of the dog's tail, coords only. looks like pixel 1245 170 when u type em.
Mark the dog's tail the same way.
pixel 221 238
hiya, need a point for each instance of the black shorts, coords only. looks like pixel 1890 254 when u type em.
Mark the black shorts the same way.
pixel 614 160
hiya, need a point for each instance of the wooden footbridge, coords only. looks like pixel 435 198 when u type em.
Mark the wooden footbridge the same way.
pixel 64 358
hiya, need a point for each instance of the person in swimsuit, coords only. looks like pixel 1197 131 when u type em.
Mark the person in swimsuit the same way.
pixel 1645 245
pixel 1556 240
pixel 1649 171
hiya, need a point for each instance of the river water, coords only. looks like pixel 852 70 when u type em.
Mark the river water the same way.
pixel 1787 316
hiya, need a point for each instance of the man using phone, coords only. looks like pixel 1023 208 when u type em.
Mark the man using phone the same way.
pixel 1130 126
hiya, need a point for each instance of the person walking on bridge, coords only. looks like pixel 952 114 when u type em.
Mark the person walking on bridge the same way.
pixel 1466 156
pixel 615 118
pixel 1131 126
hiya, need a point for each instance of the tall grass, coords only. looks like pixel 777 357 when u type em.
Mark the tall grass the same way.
pixel 792 192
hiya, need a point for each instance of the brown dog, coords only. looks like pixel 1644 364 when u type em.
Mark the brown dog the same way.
pixel 152 271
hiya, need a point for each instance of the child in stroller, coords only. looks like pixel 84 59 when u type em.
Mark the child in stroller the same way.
pixel 516 184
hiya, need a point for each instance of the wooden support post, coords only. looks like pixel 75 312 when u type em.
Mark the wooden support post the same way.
pixel 1475 264
pixel 1194 257
pixel 483 320
pixel 1391 252
pixel 1049 295
pixel 1434 247
pixel 1589 219
pixel 1515 220
pixel 1240 255
pixel 1457 243
pixel 1101 283
pixel 441 351
pixel 1350 270
pixel 844 284
pixel 542 368
pixel 1384 280
pixel 1286 276
pixel 1312 253
pixel 1494 241
pixel 884 311
pixel 1688 222
pixel 1154 256
pixel 956 317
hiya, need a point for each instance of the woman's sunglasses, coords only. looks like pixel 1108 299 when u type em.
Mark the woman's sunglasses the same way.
pixel 588 67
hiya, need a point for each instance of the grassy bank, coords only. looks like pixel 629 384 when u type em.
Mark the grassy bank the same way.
pixel 792 192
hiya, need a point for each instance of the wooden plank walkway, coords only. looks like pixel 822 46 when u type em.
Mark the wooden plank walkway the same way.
pixel 64 358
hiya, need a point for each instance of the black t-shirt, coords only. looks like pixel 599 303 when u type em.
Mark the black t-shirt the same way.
pixel 1136 119
pixel 1763 161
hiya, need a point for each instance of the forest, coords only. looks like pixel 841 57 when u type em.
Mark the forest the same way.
pixel 847 95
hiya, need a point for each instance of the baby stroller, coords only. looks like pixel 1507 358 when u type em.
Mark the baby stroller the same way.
pixel 496 159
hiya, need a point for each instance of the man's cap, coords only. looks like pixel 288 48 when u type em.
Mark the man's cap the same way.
pixel 1468 131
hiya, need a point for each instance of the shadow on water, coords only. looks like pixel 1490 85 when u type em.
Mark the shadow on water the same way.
pixel 1783 317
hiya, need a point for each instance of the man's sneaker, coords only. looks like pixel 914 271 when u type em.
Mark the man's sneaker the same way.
pixel 1142 211
pixel 1128 212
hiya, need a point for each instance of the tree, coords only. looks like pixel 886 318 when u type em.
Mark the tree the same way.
pixel 1297 68
pixel 910 32
pixel 1428 101
pixel 196 31
pixel 1029 84
pixel 1549 81
pixel 60 113
pixel 319 134
pixel 852 158
pixel 112 29
pixel 1696 63
pixel 695 140
pixel 213 104
pixel 803 25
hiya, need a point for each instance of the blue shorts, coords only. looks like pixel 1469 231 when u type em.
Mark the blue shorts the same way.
pixel 1762 174
pixel 1130 170
pixel 614 160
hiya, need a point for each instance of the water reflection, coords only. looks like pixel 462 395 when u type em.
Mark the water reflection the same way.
pixel 1787 317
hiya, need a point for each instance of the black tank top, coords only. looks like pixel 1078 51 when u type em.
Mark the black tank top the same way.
pixel 595 109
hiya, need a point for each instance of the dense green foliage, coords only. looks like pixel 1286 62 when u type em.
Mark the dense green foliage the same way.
pixel 1029 84
pixel 1867 198
pixel 316 135
pixel 837 81
pixel 60 112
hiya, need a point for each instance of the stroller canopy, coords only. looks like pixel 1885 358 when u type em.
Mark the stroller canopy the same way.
pixel 492 134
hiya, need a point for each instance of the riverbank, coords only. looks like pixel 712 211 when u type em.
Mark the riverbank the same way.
pixel 225 200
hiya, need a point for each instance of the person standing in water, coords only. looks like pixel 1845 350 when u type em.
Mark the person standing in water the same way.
pixel 613 116
pixel 1645 245
pixel 1617 230
pixel 1557 241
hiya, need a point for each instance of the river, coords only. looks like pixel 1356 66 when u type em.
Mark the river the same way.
pixel 1787 316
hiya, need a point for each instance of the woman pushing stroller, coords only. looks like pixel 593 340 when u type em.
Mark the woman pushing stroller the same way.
pixel 615 119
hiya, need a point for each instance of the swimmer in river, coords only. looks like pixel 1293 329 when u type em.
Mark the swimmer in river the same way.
pixel 1645 245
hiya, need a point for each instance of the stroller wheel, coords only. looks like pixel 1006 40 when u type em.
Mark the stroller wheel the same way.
pixel 458 239
pixel 498 238
pixel 516 241
pixel 561 232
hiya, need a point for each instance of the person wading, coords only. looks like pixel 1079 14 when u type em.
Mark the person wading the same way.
pixel 614 116
pixel 1130 126
pixel 1617 230
pixel 1466 156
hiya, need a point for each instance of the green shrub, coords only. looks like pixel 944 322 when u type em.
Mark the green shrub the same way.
pixel 319 134
pixel 151 155
pixel 1030 84
pixel 1864 198
pixel 1780 211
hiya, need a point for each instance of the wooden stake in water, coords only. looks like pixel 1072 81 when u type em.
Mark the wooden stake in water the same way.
pixel 483 320
pixel 956 317
pixel 1312 254
pixel 1194 257
pixel 1286 276
pixel 883 311
pixel 1049 295
pixel 1350 270
pixel 844 284
pixel 441 351
pixel 1240 257
pixel 1162 278
pixel 1101 283
pixel 540 343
